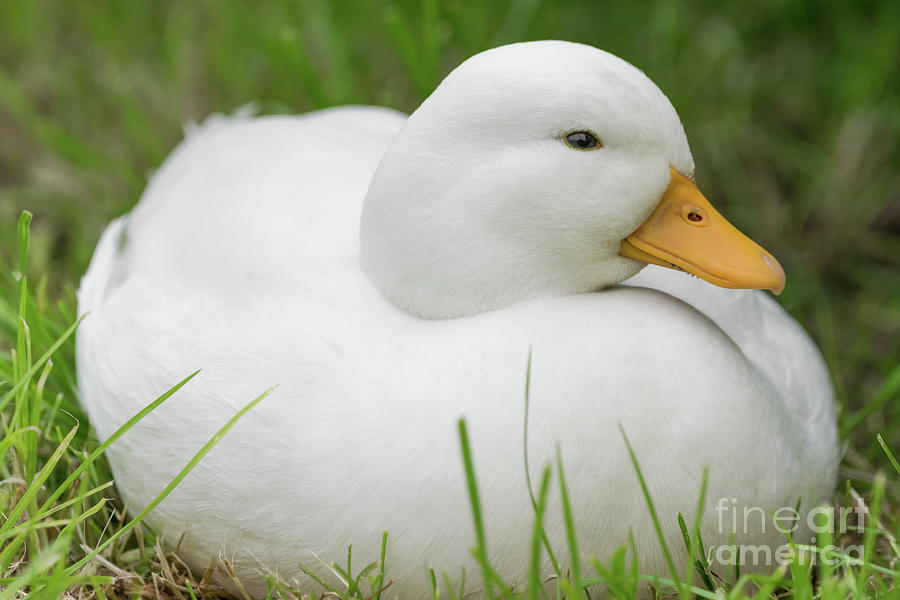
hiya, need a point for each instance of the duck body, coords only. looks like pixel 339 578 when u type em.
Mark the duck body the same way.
pixel 243 259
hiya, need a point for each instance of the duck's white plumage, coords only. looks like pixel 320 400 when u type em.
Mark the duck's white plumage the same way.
pixel 243 259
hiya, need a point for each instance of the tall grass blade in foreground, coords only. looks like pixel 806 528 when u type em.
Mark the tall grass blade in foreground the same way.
pixel 682 591
pixel 539 522
pixel 203 451
pixel 480 550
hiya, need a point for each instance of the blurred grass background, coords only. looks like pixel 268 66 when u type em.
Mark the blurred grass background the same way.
pixel 792 109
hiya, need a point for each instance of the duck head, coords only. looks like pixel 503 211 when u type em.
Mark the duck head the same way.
pixel 539 169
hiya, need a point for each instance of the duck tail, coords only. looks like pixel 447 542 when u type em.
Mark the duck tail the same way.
pixel 101 273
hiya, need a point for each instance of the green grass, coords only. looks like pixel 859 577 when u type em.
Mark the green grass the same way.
pixel 792 109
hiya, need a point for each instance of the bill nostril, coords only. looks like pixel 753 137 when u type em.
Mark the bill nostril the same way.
pixel 694 215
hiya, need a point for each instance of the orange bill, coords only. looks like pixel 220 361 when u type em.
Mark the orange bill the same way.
pixel 685 232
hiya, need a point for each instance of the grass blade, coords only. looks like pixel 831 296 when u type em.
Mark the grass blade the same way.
pixel 890 390
pixel 534 567
pixel 38 364
pixel 569 519
pixel 477 516
pixel 34 486
pixel 888 453
pixel 682 592
pixel 178 478
pixel 534 504
pixel 118 433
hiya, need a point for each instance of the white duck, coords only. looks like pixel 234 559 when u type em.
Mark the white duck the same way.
pixel 535 175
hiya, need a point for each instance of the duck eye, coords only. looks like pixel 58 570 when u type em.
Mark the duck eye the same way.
pixel 582 140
